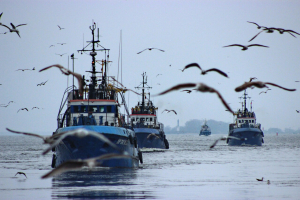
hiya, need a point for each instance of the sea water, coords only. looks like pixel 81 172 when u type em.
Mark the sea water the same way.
pixel 188 170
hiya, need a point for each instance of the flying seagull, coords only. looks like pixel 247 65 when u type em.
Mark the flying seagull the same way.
pixel 42 83
pixel 281 31
pixel 222 138
pixel 22 109
pixel 60 54
pixel 298 111
pixel 259 84
pixel 150 50
pixel 1 105
pixel 60 27
pixel 52 45
pixel 245 47
pixel 203 72
pixel 14 28
pixel 272 29
pixel 260 179
pixel 21 173
pixel 78 164
pixel 265 91
pixel 61 43
pixel 169 111
pixel 158 75
pixel 68 72
pixel 201 87
pixel 81 132
pixel 35 107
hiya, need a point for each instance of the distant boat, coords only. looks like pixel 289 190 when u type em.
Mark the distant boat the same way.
pixel 149 132
pixel 245 128
pixel 205 130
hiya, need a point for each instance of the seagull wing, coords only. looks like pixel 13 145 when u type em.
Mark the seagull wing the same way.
pixel 178 87
pixel 24 133
pixel 192 65
pixel 12 25
pixel 217 70
pixel 21 25
pixel 66 166
pixel 5 26
pixel 280 86
pixel 239 45
pixel 254 23
pixel 174 111
pixel 224 102
pixel 142 51
pixel 292 31
pixel 257 45
pixel 244 86
pixel 214 144
pixel 159 49
pixel 255 36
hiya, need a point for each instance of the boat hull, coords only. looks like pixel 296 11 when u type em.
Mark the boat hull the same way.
pixel 73 148
pixel 206 133
pixel 151 138
pixel 247 136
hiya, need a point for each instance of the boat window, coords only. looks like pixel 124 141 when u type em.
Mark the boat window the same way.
pixel 147 119
pixel 151 119
pixel 142 119
pixel 93 109
pixel 133 119
pixel 101 109
pixel 75 109
pixel 82 109
pixel 108 109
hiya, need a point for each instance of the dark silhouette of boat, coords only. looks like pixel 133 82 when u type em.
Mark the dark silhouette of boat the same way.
pixel 149 132
pixel 205 129
pixel 245 127
pixel 96 110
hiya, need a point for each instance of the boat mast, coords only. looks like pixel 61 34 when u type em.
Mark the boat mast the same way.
pixel 93 53
pixel 143 90
pixel 245 98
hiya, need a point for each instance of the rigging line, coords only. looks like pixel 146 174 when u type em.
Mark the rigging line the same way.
pixel 119 58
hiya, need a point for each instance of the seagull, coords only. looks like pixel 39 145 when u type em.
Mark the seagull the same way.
pixel 203 72
pixel 61 43
pixel 271 30
pixel 68 72
pixel 201 87
pixel 42 83
pixel 21 173
pixel 258 26
pixel 60 27
pixel 259 84
pixel 22 109
pixel 298 111
pixel 34 108
pixel 260 179
pixel 60 54
pixel 265 91
pixel 78 164
pixel 22 70
pixel 169 111
pixel 81 132
pixel 4 32
pixel 14 28
pixel 7 104
pixel 247 46
pixel 150 50
pixel 223 138
pixel 188 91
pixel 47 140
pixel 52 45
pixel 281 31
pixel 158 75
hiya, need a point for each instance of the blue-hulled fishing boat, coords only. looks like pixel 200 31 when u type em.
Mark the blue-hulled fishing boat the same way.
pixel 97 109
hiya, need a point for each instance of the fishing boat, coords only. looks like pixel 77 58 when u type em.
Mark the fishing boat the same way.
pixel 149 132
pixel 98 110
pixel 205 129
pixel 245 130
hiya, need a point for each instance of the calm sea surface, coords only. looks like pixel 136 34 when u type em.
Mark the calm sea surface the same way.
pixel 188 170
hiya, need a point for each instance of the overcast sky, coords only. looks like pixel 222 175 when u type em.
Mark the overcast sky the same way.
pixel 188 31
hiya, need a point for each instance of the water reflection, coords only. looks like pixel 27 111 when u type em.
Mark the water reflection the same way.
pixel 99 183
